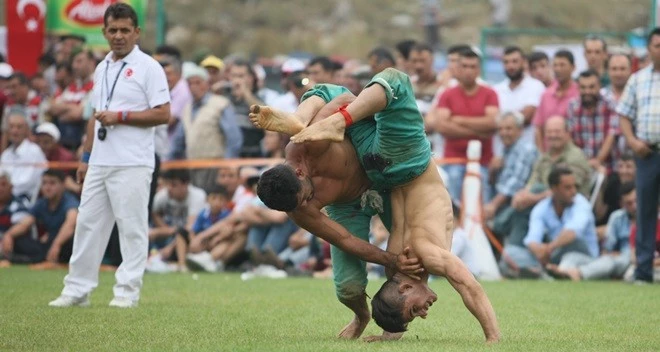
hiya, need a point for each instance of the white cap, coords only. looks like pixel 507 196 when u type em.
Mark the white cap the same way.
pixel 5 70
pixel 292 65
pixel 49 129
pixel 195 71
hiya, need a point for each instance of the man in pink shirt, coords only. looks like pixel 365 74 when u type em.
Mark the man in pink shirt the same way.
pixel 467 112
pixel 554 100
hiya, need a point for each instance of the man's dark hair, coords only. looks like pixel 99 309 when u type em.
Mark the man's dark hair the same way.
pixel 536 57
pixel 513 49
pixel 64 66
pixel 404 47
pixel 589 73
pixel 55 173
pixel 46 60
pixel 78 50
pixel 627 156
pixel 387 307
pixel 626 188
pixel 324 61
pixel 278 188
pixel 593 37
pixel 422 47
pixel 655 31
pixel 251 72
pixel 219 190
pixel 556 173
pixel 566 55
pixel 169 50
pixel 182 175
pixel 382 54
pixel 21 77
pixel 120 10
pixel 457 49
pixel 470 54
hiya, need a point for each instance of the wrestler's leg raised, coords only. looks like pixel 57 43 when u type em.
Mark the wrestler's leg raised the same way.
pixel 322 100
pixel 370 101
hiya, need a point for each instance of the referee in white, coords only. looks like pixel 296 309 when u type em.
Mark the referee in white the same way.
pixel 130 97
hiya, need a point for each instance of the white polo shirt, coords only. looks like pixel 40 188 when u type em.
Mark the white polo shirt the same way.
pixel 22 162
pixel 141 85
pixel 527 93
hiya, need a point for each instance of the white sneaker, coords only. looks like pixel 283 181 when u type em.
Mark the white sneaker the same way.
pixel 155 264
pixel 122 302
pixel 68 301
pixel 201 261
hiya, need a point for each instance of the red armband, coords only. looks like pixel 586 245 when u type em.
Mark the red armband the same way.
pixel 347 117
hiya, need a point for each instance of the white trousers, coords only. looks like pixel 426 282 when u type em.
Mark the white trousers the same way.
pixel 109 195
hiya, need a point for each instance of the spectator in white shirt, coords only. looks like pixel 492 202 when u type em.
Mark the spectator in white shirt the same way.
pixel 23 160
pixel 131 97
pixel 518 92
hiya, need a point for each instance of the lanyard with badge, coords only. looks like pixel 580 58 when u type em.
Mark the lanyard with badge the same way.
pixel 103 131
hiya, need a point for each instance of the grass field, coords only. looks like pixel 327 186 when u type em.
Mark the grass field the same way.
pixel 223 313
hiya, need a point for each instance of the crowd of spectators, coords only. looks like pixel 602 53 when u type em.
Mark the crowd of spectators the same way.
pixel 557 175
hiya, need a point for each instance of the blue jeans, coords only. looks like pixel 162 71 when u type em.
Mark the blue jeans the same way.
pixel 456 173
pixel 647 182
pixel 273 236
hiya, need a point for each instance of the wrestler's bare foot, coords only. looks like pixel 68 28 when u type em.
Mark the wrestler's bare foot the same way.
pixel 270 119
pixel 386 336
pixel 570 273
pixel 330 129
pixel 354 329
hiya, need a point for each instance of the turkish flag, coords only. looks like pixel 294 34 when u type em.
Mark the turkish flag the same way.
pixel 25 34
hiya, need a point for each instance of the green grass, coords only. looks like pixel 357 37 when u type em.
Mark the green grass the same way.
pixel 222 313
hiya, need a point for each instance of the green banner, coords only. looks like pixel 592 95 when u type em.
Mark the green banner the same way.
pixel 85 18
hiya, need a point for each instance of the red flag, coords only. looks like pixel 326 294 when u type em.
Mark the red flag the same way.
pixel 25 33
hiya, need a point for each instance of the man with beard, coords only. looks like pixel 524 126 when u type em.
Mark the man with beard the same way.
pixel 519 92
pixel 593 122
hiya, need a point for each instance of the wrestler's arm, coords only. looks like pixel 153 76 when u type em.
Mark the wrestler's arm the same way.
pixel 311 219
pixel 438 261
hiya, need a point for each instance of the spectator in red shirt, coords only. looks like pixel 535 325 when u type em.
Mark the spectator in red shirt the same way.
pixel 48 138
pixel 554 101
pixel 467 112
